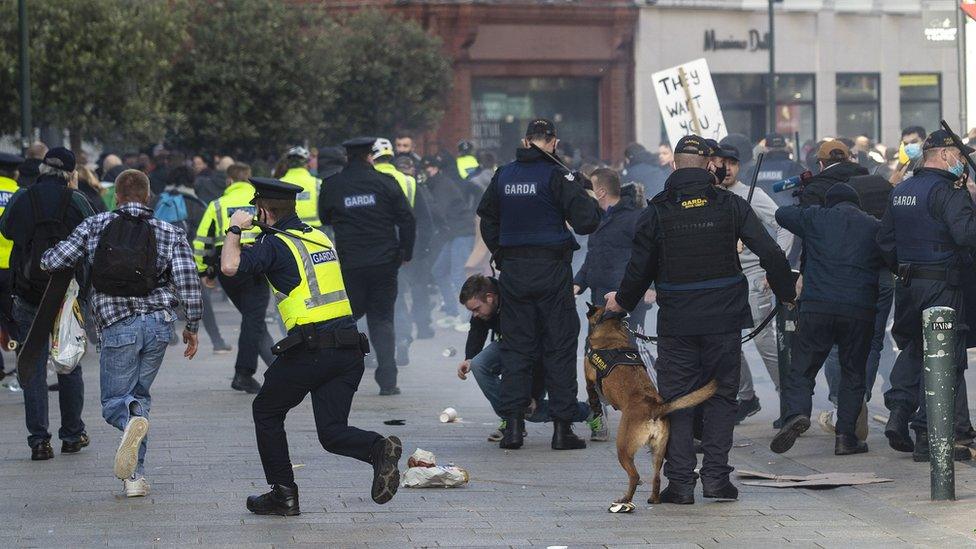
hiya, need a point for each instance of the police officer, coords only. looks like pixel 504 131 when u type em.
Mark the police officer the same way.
pixel 306 204
pixel 685 244
pixel 375 232
pixel 248 292
pixel 467 164
pixel 927 235
pixel 8 186
pixel 777 166
pixel 382 154
pixel 523 213
pixel 322 354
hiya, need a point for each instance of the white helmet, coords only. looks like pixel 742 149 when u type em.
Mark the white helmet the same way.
pixel 381 147
pixel 298 152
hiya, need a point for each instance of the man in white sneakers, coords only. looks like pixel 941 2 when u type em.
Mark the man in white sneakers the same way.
pixel 142 269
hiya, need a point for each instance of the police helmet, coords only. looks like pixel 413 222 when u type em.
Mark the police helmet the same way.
pixel 298 152
pixel 465 147
pixel 381 147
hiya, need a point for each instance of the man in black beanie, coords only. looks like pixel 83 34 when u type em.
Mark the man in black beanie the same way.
pixel 840 289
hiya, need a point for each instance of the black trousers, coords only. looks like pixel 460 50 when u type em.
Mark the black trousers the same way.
pixel 815 336
pixel 538 321
pixel 332 376
pixel 250 295
pixel 685 363
pixel 413 305
pixel 373 292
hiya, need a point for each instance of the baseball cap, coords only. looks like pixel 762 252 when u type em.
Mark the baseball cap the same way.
pixel 831 149
pixel 60 158
pixel 693 144
pixel 775 141
pixel 541 126
pixel 728 151
pixel 941 138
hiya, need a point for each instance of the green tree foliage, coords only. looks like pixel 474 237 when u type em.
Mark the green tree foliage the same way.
pixel 396 77
pixel 98 67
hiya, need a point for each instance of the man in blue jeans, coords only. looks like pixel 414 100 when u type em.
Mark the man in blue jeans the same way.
pixel 35 218
pixel 134 318
pixel 480 296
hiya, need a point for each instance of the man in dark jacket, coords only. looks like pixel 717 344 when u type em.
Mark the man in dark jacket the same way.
pixel 685 244
pixel 641 167
pixel 375 232
pixel 840 289
pixel 524 213
pixel 776 166
pixel 53 195
pixel 836 166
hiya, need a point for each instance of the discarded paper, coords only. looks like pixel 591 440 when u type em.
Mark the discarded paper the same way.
pixel 819 480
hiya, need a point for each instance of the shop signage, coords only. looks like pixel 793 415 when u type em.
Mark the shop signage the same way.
pixel 688 103
pixel 754 42
pixel 939 26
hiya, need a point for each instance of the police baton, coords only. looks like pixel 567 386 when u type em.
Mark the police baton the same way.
pixel 755 176
pixel 270 229
pixel 958 143
pixel 587 184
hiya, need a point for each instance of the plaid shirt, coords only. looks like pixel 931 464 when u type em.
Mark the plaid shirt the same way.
pixel 174 260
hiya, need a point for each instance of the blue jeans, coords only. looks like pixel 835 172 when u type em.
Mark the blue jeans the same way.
pixel 131 352
pixel 448 271
pixel 71 395
pixel 487 369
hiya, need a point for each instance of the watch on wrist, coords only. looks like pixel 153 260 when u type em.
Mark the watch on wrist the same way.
pixel 234 229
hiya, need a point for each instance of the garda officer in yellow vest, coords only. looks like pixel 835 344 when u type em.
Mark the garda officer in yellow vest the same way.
pixel 322 354
pixel 8 186
pixel 307 201
pixel 467 164
pixel 249 293
pixel 382 154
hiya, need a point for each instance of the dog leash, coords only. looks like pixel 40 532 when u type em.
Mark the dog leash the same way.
pixel 746 338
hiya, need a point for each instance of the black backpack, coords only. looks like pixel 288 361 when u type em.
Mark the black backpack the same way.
pixel 125 258
pixel 48 231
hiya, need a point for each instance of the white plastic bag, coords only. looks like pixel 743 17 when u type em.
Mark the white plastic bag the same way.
pixel 435 477
pixel 68 339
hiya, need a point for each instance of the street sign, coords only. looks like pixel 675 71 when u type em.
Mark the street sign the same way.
pixel 688 103
pixel 939 27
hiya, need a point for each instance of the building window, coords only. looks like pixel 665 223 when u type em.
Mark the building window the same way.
pixel 858 105
pixel 743 100
pixel 921 100
pixel 501 108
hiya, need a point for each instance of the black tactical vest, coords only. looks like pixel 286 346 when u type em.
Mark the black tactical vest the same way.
pixel 698 235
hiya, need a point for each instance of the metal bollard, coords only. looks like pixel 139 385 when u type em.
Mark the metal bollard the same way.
pixel 939 339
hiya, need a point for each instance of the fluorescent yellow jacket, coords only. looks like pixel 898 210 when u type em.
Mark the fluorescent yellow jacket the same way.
pixel 321 293
pixel 216 220
pixel 407 183
pixel 466 165
pixel 307 201
pixel 7 189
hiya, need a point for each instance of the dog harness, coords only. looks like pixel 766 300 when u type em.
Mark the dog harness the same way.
pixel 605 360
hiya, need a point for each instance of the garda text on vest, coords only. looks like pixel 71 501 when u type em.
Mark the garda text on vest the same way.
pixel 360 200
pixel 520 189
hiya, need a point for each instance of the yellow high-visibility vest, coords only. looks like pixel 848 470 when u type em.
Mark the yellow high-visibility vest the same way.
pixel 466 165
pixel 237 196
pixel 407 183
pixel 307 201
pixel 7 189
pixel 321 293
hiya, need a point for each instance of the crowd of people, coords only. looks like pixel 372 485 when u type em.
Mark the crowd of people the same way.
pixel 371 237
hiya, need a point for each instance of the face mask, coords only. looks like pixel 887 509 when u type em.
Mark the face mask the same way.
pixel 957 169
pixel 913 151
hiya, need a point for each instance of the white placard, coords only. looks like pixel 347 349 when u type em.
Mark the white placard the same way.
pixel 677 108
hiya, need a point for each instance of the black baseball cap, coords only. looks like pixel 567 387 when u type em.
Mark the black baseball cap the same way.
pixel 541 126
pixel 775 141
pixel 266 187
pixel 728 151
pixel 60 158
pixel 941 138
pixel 693 144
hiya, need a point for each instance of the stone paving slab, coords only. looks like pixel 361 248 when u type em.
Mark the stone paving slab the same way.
pixel 203 463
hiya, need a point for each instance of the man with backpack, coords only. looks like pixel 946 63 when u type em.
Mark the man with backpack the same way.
pixel 36 218
pixel 142 269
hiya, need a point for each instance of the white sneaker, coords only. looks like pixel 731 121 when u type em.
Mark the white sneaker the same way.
pixel 827 422
pixel 127 456
pixel 136 488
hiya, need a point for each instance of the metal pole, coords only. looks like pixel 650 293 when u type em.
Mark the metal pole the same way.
pixel 771 84
pixel 26 128
pixel 961 64
pixel 939 334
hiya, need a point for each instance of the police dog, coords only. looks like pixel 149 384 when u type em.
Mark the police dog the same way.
pixel 630 390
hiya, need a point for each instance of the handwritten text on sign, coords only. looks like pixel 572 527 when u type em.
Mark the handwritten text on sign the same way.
pixel 679 108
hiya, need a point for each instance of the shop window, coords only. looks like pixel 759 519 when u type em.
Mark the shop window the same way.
pixel 921 100
pixel 858 105
pixel 501 108
pixel 743 100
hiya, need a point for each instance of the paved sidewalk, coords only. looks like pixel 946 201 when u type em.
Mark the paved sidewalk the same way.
pixel 203 463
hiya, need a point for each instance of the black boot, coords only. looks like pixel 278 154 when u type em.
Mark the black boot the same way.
pixel 563 437
pixel 246 383
pixel 672 494
pixel 281 500
pixel 514 433
pixel 921 452
pixel 792 429
pixel 726 491
pixel 897 431
pixel 845 445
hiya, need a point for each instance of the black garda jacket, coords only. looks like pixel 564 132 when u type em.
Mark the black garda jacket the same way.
pixel 702 290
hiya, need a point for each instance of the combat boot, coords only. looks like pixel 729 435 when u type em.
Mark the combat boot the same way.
pixel 563 437
pixel 513 434
pixel 281 500
pixel 896 429
pixel 847 444
pixel 921 451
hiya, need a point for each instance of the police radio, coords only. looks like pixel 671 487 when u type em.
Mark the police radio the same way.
pixel 792 182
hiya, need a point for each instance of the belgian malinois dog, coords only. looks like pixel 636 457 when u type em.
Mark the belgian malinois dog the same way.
pixel 627 387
